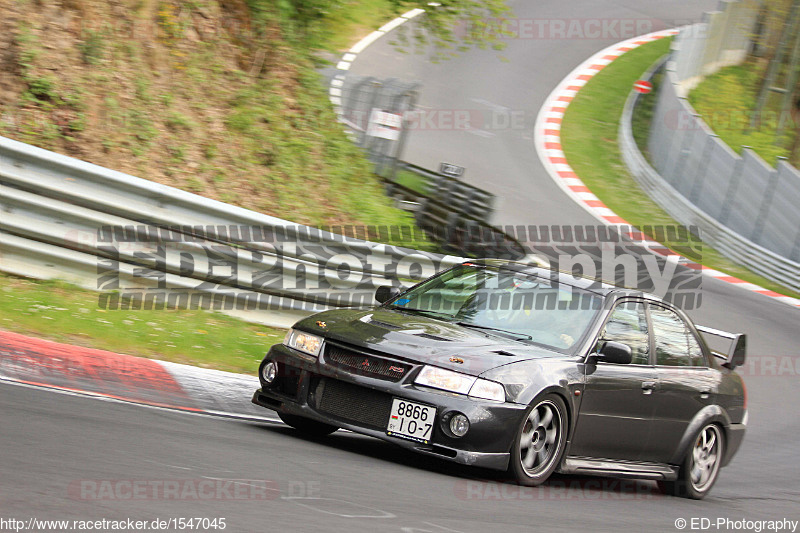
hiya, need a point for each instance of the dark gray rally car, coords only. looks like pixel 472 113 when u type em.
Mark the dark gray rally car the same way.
pixel 510 366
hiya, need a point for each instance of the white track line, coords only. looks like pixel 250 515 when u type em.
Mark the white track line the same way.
pixel 347 59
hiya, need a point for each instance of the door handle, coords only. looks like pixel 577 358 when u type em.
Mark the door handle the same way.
pixel 648 386
pixel 705 393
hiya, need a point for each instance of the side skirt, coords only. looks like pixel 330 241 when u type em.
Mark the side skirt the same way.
pixel 618 468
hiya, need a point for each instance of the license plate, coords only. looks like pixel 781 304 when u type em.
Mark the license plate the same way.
pixel 411 420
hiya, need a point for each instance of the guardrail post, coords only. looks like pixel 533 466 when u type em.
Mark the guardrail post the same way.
pixel 730 194
pixel 702 170
pixel 766 202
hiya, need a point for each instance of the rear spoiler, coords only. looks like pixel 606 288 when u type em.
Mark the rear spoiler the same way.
pixel 737 349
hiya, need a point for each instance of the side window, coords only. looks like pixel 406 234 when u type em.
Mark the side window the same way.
pixel 675 344
pixel 628 325
pixel 695 352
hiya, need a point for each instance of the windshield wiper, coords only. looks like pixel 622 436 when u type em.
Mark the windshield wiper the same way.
pixel 471 325
pixel 435 314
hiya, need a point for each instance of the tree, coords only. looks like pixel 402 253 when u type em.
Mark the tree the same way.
pixel 449 25
pixel 453 26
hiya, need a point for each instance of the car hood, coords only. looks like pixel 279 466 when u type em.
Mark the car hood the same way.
pixel 422 339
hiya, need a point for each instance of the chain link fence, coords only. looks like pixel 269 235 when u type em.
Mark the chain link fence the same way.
pixel 375 111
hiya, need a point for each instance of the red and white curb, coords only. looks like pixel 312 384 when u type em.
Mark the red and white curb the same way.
pixel 98 373
pixel 549 149
pixel 337 83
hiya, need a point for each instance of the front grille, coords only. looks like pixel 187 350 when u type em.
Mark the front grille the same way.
pixel 353 403
pixel 365 365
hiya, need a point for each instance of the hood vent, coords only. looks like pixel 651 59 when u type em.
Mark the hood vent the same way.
pixel 367 319
pixel 384 324
pixel 433 337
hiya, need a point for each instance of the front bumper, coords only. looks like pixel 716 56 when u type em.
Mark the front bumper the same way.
pixel 316 389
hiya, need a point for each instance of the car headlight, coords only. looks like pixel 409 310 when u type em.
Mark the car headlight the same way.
pixel 439 378
pixel 304 342
pixel 488 390
pixel 478 388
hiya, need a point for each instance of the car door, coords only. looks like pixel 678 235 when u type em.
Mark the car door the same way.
pixel 617 407
pixel 685 382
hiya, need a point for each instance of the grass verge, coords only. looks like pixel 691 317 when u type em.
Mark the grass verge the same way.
pixel 219 98
pixel 61 312
pixel 589 140
pixel 413 181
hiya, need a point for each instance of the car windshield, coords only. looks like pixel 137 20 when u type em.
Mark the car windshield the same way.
pixel 516 305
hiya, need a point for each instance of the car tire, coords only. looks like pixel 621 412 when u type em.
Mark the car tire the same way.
pixel 700 468
pixel 307 426
pixel 539 441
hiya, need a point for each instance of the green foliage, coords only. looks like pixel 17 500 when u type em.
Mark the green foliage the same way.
pixel 91 47
pixel 28 46
pixel 42 87
pixel 452 26
pixel 177 121
pixel 411 180
pixel 458 25
pixel 726 99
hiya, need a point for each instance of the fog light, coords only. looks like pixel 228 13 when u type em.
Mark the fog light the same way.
pixel 269 372
pixel 459 425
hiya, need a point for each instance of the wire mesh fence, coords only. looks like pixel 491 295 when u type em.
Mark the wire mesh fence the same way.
pixel 375 111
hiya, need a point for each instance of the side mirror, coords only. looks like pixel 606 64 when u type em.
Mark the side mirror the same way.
pixel 616 352
pixel 386 293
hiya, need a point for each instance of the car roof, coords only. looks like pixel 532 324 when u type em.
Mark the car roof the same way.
pixel 595 285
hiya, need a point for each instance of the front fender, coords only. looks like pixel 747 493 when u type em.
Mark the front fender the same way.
pixel 525 381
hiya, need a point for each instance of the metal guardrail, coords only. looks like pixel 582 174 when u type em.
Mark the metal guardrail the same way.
pixel 462 198
pixel 147 244
pixel 455 215
pixel 737 247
